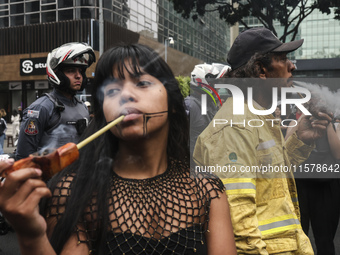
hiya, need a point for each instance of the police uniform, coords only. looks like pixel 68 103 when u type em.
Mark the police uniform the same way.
pixel 46 124
pixel 263 206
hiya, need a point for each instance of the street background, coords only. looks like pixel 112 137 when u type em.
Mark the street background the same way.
pixel 9 244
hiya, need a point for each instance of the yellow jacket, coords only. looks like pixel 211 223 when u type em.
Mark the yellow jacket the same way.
pixel 263 205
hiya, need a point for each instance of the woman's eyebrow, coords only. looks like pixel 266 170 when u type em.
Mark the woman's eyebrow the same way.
pixel 137 74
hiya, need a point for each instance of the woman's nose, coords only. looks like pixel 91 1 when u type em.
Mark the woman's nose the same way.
pixel 127 94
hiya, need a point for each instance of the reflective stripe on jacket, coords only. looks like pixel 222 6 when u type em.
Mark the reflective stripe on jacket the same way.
pixel 263 204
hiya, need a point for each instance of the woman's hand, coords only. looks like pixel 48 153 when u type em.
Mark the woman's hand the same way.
pixel 20 194
pixel 4 164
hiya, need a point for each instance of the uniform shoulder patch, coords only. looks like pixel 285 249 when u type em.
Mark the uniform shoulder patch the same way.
pixel 31 128
pixel 32 114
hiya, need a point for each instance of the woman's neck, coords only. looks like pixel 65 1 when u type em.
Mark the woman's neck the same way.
pixel 141 159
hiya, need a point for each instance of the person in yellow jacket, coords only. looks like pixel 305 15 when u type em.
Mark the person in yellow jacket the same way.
pixel 263 203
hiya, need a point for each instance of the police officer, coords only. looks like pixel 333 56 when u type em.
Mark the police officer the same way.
pixel 58 117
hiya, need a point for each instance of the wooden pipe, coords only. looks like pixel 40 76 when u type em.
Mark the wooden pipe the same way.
pixel 60 158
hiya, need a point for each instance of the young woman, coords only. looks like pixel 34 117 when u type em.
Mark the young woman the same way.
pixel 131 191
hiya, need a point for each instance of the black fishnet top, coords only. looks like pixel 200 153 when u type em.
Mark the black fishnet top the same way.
pixel 166 214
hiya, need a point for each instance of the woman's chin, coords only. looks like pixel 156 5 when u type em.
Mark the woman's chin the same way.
pixel 130 134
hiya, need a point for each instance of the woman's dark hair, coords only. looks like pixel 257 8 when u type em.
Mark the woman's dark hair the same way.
pixel 92 172
pixel 143 59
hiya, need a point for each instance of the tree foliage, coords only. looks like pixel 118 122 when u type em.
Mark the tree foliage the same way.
pixel 290 13
pixel 184 85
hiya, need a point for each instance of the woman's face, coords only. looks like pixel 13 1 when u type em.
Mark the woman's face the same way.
pixel 143 100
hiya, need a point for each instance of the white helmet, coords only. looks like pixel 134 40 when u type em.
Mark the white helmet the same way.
pixel 203 71
pixel 74 53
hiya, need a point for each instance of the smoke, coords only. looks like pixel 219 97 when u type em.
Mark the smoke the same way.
pixel 60 135
pixel 322 98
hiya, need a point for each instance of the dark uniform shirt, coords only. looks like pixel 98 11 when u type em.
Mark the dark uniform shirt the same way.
pixel 44 126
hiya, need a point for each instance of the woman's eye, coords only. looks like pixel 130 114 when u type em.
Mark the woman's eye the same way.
pixel 111 92
pixel 143 83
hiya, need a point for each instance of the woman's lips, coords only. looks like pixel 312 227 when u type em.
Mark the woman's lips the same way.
pixel 132 116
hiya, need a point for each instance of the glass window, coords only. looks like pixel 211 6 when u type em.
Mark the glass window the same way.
pixel 141 20
pixel 117 5
pixel 4 22
pixel 141 9
pixel 65 15
pixel 147 12
pixel 147 25
pixel 133 4
pixel 17 8
pixel 32 6
pixel 106 4
pixel 32 19
pixel 17 20
pixel 87 13
pixel 133 26
pixel 87 2
pixel 48 16
pixel 107 15
pixel 65 3
pixel 47 1
pixel 48 7
pixel 166 5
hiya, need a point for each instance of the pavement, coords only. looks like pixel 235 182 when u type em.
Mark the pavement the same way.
pixel 9 149
pixel 8 242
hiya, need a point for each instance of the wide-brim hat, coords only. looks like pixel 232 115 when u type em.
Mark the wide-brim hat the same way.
pixel 254 40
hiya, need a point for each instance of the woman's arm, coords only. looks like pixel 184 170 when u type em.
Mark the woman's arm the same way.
pixel 220 237
pixel 20 194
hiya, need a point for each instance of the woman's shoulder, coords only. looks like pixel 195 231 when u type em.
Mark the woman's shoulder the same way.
pixel 212 183
pixel 207 183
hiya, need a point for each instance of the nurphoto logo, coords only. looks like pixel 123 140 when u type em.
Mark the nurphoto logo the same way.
pixel 238 100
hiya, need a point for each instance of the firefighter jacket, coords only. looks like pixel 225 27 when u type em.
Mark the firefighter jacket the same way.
pixel 245 151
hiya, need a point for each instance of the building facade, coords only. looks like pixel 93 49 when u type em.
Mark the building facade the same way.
pixel 29 29
pixel 319 56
